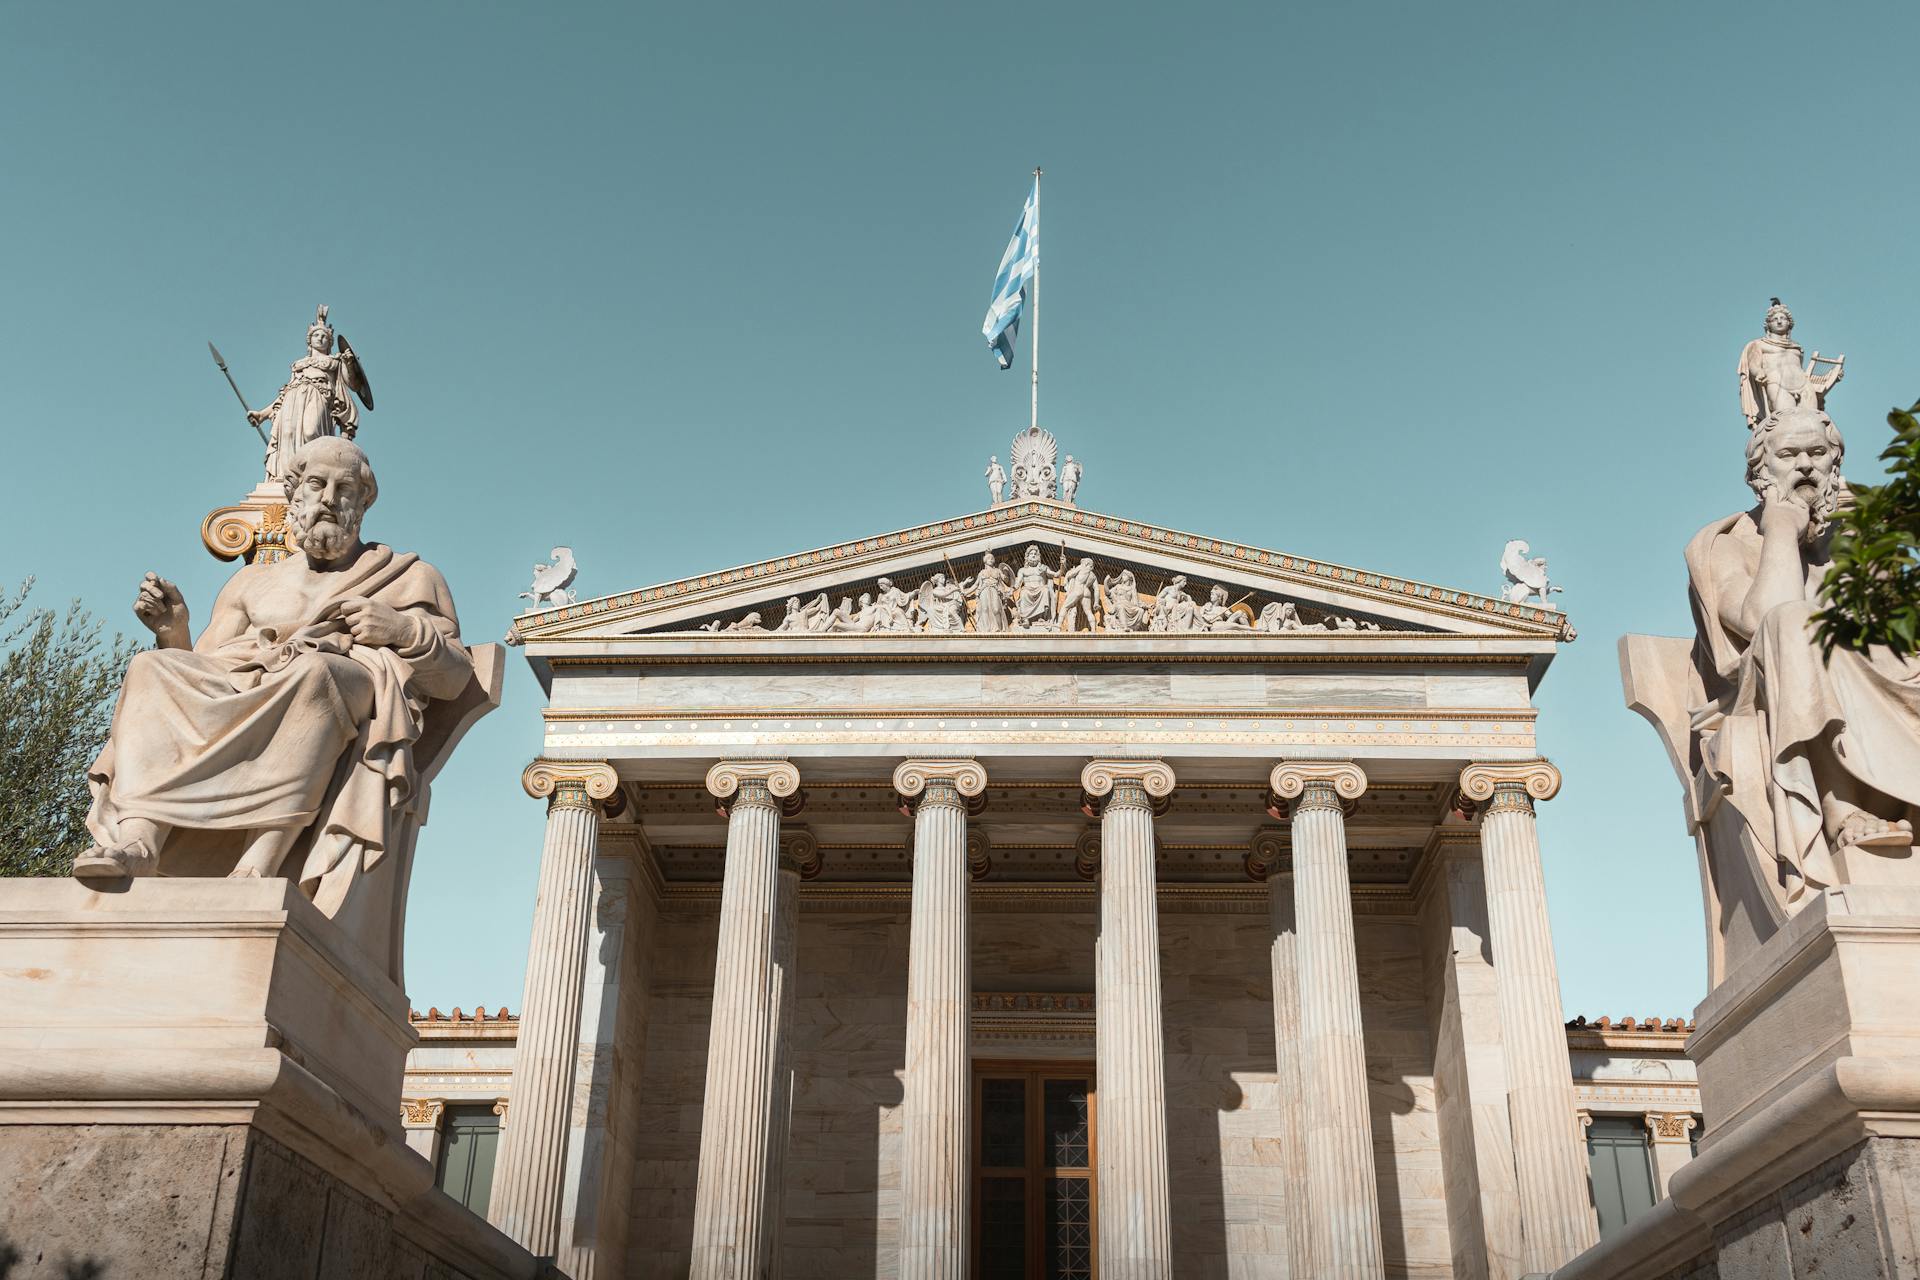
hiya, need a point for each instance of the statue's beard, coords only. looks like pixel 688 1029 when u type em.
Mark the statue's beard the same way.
pixel 323 534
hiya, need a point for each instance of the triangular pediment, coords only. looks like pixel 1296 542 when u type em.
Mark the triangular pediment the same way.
pixel 1267 592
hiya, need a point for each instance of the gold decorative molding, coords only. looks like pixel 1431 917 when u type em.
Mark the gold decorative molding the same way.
pixel 421 1113
pixel 544 778
pixel 1540 780
pixel 1669 1126
pixel 911 777
pixel 253 529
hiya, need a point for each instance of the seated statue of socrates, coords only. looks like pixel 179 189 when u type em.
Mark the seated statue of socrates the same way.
pixel 288 725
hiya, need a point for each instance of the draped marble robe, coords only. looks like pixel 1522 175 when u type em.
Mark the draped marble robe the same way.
pixel 1782 720
pixel 277 717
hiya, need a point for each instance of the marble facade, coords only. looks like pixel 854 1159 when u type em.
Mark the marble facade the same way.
pixel 864 863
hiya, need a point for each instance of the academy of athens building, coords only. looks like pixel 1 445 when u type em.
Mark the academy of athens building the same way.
pixel 1145 904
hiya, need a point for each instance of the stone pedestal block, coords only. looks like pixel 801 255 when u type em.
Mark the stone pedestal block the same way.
pixel 1809 1063
pixel 201 1078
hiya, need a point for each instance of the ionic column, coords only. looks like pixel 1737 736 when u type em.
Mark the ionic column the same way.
pixel 934 1174
pixel 1556 1215
pixel 799 860
pixel 531 1171
pixel 736 1115
pixel 1136 1229
pixel 1342 1190
pixel 1266 861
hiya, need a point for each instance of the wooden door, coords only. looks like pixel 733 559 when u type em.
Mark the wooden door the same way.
pixel 1034 1199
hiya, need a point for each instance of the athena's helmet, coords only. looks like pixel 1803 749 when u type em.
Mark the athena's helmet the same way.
pixel 323 330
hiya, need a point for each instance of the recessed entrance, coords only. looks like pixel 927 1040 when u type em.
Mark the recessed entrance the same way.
pixel 1033 1189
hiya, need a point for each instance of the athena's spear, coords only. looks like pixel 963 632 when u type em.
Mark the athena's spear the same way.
pixel 236 391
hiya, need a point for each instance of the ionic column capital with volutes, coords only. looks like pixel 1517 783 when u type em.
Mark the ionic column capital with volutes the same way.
pixel 570 784
pixel 799 852
pixel 1512 784
pixel 1328 784
pixel 1269 852
pixel 772 783
pixel 1139 784
pixel 952 782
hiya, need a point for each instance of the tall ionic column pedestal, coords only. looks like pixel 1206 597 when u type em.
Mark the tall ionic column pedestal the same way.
pixel 529 1181
pixel 730 1213
pixel 1556 1214
pixel 934 1178
pixel 1136 1225
pixel 1342 1191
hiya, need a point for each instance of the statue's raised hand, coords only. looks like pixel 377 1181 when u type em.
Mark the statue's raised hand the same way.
pixel 164 611
pixel 375 624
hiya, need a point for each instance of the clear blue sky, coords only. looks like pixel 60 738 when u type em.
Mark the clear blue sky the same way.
pixel 690 285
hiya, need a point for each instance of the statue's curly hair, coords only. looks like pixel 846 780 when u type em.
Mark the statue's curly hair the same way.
pixel 1784 419
pixel 334 449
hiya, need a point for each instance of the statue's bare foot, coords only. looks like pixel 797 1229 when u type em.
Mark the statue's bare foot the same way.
pixel 245 872
pixel 1861 830
pixel 99 863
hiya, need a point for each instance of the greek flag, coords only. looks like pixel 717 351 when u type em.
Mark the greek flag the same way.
pixel 1017 267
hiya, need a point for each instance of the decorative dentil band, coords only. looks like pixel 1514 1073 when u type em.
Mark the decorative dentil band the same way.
pixel 780 778
pixel 569 784
pixel 1318 784
pixel 1510 785
pixel 968 777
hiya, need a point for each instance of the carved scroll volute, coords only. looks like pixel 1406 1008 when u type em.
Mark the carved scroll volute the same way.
pixel 1086 854
pixel 800 852
pixel 544 777
pixel 1540 779
pixel 911 777
pixel 1267 852
pixel 1290 779
pixel 1154 776
pixel 781 779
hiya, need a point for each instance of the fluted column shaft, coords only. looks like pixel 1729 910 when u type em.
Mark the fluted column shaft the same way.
pixel 530 1177
pixel 1342 1191
pixel 1556 1213
pixel 1291 1076
pixel 736 1119
pixel 935 1223
pixel 1136 1227
pixel 786 928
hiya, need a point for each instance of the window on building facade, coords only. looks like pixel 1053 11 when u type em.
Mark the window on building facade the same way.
pixel 1621 1169
pixel 467 1149
pixel 1033 1172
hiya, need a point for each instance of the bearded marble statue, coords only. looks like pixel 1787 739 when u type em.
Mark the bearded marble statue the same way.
pixel 289 725
pixel 1818 754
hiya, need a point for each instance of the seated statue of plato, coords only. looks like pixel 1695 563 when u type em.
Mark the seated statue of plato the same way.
pixel 288 726
pixel 1819 755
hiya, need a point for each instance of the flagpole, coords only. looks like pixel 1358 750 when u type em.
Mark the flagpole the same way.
pixel 1034 354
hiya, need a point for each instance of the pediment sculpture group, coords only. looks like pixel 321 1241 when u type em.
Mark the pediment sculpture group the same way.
pixel 1035 597
pixel 1804 765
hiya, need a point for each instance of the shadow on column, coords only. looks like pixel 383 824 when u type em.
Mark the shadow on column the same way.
pixel 841 1203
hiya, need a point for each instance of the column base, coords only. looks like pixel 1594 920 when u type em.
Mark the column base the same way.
pixel 201 1078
